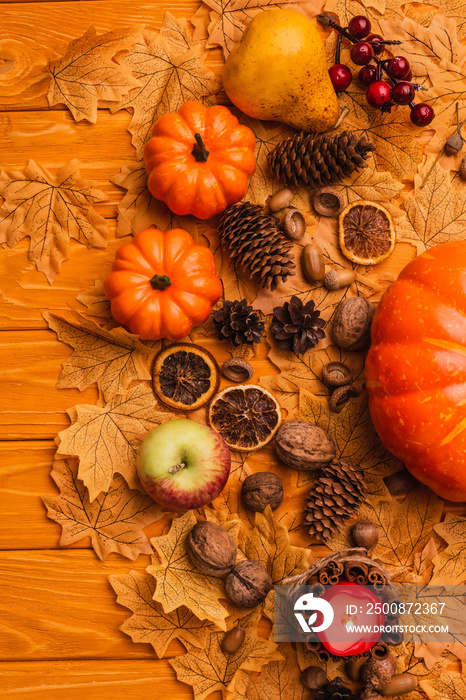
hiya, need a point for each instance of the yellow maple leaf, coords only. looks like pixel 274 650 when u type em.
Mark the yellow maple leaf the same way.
pixel 88 72
pixel 105 437
pixel 449 686
pixel 113 358
pixel 210 669
pixel 178 580
pixel 149 623
pixel 450 564
pixel 114 521
pixel 50 209
pixel 278 678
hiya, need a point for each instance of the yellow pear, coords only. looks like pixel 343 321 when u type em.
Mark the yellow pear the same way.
pixel 278 72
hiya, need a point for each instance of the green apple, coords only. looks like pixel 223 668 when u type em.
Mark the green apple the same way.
pixel 183 464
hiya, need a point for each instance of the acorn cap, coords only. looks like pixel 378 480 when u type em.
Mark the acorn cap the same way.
pixel 328 201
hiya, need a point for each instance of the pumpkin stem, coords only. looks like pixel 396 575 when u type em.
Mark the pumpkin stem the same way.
pixel 199 151
pixel 160 282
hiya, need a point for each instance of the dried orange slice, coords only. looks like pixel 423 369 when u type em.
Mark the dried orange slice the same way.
pixel 367 232
pixel 246 416
pixel 185 376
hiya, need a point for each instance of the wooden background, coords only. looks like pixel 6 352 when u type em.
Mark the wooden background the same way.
pixel 59 636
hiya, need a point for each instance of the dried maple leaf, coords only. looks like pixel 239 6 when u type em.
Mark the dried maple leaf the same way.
pixel 436 209
pixel 113 358
pixel 450 564
pixel 422 44
pixel 96 302
pixel 279 679
pixel 450 686
pixel 457 11
pixel 114 521
pixel 138 210
pixel 269 543
pixel 88 72
pixel 149 623
pixel 234 16
pixel 50 209
pixel 423 564
pixel 177 33
pixel 353 433
pixel 448 89
pixel 105 438
pixel 404 528
pixel 373 185
pixel 211 669
pixel 168 77
pixel 178 580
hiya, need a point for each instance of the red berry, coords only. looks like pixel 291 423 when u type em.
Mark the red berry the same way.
pixel 403 93
pixel 374 40
pixel 378 93
pixel 340 76
pixel 367 75
pixel 422 114
pixel 361 53
pixel 408 76
pixel 359 26
pixel 398 67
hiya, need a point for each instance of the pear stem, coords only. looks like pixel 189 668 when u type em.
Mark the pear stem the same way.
pixel 176 468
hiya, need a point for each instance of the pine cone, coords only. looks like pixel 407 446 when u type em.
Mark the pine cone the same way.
pixel 254 241
pixel 316 160
pixel 297 326
pixel 334 691
pixel 335 496
pixel 236 321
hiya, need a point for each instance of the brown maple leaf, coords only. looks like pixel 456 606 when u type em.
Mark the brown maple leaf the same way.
pixel 279 679
pixel 233 16
pixel 88 72
pixel 449 686
pixel 457 11
pixel 50 209
pixel 269 543
pixel 356 441
pixel 178 580
pixel 105 438
pixel 95 301
pixel 112 359
pixel 210 669
pixel 114 521
pixel 436 209
pixel 149 623
pixel 450 564
pixel 138 210
pixel 168 77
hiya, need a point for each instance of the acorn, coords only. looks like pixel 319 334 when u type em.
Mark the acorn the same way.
pixel 463 169
pixel 328 201
pixel 353 667
pixel 336 374
pixel 313 263
pixel 293 225
pixel 365 534
pixel 400 684
pixel 314 677
pixel 280 200
pixel 339 279
pixel 233 640
pixel 378 670
pixel 341 396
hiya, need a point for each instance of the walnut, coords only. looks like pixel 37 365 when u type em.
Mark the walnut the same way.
pixel 304 446
pixel 211 549
pixel 352 323
pixel 261 490
pixel 248 583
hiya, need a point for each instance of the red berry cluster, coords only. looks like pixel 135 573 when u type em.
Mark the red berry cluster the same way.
pixel 381 94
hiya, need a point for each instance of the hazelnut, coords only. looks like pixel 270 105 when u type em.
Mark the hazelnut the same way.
pixel 211 549
pixel 352 323
pixel 248 583
pixel 365 534
pixel 304 446
pixel 261 490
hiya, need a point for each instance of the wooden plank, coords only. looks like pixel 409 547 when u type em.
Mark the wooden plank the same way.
pixel 93 680
pixel 41 31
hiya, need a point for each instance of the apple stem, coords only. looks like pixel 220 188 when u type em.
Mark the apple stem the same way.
pixel 176 468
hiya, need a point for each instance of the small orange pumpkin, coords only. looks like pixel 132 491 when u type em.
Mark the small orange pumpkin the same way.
pixel 199 159
pixel 162 284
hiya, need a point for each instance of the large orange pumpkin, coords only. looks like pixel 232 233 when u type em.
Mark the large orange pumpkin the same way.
pixel 416 369
pixel 162 284
pixel 199 159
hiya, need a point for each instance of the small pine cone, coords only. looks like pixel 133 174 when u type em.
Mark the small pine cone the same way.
pixel 335 496
pixel 236 321
pixel 254 241
pixel 316 160
pixel 297 326
pixel 334 691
